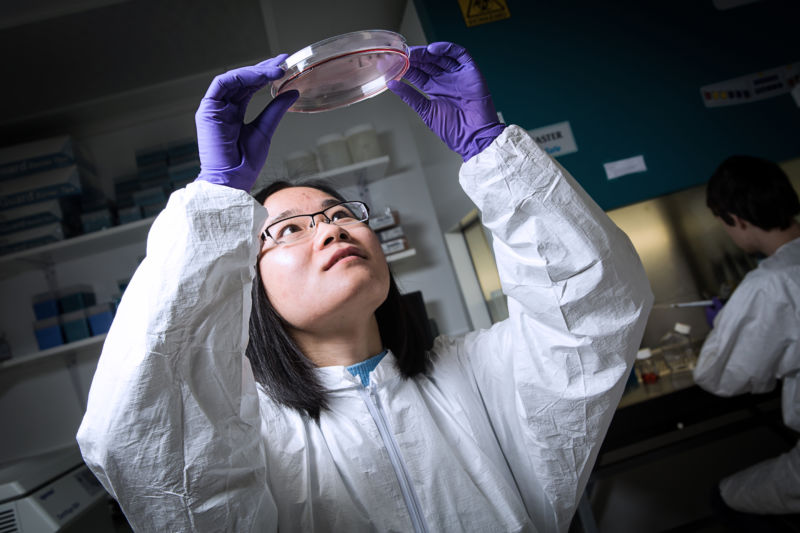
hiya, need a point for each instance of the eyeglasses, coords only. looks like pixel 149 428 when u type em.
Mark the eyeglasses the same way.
pixel 300 227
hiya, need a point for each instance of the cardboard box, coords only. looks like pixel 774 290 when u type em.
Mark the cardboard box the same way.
pixel 30 216
pixel 30 189
pixel 391 234
pixel 30 238
pixel 394 246
pixel 38 156
pixel 384 220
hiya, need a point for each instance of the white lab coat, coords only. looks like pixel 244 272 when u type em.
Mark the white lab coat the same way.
pixel 500 436
pixel 756 342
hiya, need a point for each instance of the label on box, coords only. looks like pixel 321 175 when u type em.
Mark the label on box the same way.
pixel 397 245
pixel 391 234
pixel 384 220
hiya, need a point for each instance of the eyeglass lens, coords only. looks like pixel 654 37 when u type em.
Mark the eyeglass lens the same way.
pixel 302 226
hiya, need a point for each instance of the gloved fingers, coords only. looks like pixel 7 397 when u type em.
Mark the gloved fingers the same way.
pixel 410 96
pixel 450 50
pixel 416 77
pixel 431 63
pixel 430 69
pixel 268 119
pixel 273 61
pixel 238 84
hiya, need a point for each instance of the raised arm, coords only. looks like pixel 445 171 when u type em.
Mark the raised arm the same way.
pixel 172 428
pixel 552 374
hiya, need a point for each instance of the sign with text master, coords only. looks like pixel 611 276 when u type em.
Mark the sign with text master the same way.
pixel 555 139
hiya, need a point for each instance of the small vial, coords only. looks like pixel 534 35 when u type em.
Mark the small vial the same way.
pixel 645 366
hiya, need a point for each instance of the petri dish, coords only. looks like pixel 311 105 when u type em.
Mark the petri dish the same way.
pixel 343 70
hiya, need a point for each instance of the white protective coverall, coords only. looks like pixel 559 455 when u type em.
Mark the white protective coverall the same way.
pixel 501 435
pixel 756 342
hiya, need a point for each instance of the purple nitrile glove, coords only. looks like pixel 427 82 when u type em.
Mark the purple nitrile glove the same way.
pixel 232 152
pixel 713 310
pixel 458 107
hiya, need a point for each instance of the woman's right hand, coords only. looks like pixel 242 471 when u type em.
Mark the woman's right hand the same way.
pixel 232 153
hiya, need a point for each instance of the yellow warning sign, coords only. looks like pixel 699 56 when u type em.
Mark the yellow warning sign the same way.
pixel 478 12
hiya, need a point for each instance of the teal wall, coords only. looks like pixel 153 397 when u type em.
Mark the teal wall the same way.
pixel 627 77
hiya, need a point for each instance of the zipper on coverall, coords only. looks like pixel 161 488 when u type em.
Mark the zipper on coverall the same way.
pixel 412 502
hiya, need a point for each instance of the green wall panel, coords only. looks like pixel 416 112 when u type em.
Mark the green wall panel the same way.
pixel 627 76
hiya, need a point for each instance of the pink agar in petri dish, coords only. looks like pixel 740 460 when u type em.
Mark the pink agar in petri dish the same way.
pixel 343 70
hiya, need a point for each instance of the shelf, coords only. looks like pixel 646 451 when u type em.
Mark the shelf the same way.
pixel 351 175
pixel 401 255
pixel 74 248
pixel 84 345
pixel 136 232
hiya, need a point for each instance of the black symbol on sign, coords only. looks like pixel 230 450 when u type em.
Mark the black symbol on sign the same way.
pixel 482 7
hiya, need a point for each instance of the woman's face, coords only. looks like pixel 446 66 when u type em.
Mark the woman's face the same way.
pixel 337 275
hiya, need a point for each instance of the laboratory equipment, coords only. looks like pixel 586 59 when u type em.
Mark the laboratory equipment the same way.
pixel 301 163
pixel 646 367
pixel 697 303
pixel 362 142
pixel 332 151
pixel 54 491
pixel 343 70
pixel 676 348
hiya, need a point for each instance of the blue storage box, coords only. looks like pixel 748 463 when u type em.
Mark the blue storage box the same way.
pixel 182 151
pixel 31 238
pixel 96 220
pixel 75 298
pixel 30 216
pixel 189 170
pixel 39 187
pixel 151 156
pixel 45 305
pixel 75 326
pixel 129 214
pixel 100 318
pixel 37 156
pixel 48 333
pixel 153 176
pixel 150 196
pixel 124 187
pixel 153 209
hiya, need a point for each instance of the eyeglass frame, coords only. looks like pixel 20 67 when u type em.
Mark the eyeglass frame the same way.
pixel 313 216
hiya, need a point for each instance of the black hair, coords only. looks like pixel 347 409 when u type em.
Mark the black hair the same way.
pixel 754 189
pixel 286 374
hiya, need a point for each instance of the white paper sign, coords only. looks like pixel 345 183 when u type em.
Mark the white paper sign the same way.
pixel 623 167
pixel 555 139
pixel 753 87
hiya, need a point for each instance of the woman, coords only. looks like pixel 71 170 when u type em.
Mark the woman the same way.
pixel 495 430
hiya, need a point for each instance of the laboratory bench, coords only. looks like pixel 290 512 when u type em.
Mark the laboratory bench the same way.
pixel 673 413
pixel 655 423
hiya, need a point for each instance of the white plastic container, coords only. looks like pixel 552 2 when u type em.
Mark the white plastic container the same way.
pixel 332 151
pixel 301 163
pixel 362 141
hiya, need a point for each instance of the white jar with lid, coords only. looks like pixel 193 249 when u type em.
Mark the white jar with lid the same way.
pixel 301 163
pixel 362 141
pixel 332 151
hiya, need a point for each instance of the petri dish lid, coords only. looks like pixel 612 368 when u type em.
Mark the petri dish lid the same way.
pixel 343 70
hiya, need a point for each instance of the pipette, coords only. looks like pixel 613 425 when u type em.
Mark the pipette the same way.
pixel 697 303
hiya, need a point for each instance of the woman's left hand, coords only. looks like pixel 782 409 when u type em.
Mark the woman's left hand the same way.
pixel 232 153
pixel 456 103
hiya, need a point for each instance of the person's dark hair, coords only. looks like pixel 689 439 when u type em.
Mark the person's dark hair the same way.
pixel 754 189
pixel 286 374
